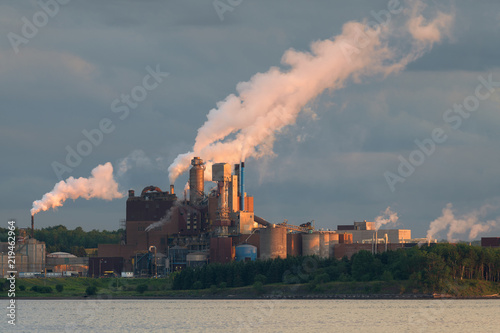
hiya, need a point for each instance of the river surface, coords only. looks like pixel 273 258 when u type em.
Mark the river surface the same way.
pixel 254 316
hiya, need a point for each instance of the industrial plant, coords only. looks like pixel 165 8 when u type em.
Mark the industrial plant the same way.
pixel 166 233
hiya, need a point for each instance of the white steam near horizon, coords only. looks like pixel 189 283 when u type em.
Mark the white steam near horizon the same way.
pixel 100 184
pixel 386 217
pixel 469 224
pixel 245 124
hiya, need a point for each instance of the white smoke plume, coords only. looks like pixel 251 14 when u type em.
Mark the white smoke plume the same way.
pixel 186 190
pixel 468 224
pixel 168 216
pixel 245 124
pixel 165 219
pixel 100 184
pixel 386 217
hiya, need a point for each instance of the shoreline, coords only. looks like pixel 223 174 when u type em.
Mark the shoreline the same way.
pixel 271 298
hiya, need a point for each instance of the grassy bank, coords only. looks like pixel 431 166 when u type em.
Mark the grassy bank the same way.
pixel 162 288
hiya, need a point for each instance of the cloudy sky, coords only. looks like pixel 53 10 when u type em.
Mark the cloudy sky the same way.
pixel 331 166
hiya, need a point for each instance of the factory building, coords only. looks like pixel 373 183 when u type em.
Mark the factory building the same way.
pixel 165 233
pixel 212 224
pixel 29 255
pixel 66 264
pixel 365 232
pixel 490 241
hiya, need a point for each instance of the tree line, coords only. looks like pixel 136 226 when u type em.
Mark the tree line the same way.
pixel 61 239
pixel 426 267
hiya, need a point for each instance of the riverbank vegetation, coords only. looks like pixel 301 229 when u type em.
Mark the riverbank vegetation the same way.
pixel 456 270
pixel 440 268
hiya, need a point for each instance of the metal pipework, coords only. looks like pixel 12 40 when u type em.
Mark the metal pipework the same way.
pixel 32 226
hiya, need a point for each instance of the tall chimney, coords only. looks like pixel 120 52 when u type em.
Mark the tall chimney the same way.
pixel 196 180
pixel 32 226
pixel 237 173
pixel 172 189
pixel 242 183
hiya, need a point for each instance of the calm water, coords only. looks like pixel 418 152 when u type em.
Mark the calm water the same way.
pixel 255 316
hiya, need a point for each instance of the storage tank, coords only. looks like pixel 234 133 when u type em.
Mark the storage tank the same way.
pixel 272 243
pixel 246 252
pixel 294 244
pixel 196 180
pixel 324 245
pixel 334 239
pixel 310 244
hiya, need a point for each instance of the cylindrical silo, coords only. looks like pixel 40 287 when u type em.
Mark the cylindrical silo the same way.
pixel 272 243
pixel 310 244
pixel 246 252
pixel 324 242
pixel 294 244
pixel 196 180
pixel 334 239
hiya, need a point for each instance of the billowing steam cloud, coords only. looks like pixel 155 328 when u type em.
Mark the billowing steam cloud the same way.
pixel 245 125
pixel 468 224
pixel 100 184
pixel 387 217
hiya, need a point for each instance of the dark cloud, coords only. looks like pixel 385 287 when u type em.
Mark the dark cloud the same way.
pixel 327 167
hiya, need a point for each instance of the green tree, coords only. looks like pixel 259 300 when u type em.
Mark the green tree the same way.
pixel 362 266
pixel 258 287
pixel 141 288
pixel 91 290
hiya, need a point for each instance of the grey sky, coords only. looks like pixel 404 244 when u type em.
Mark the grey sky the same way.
pixel 66 77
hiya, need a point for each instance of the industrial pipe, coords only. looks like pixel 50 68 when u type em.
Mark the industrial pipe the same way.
pixel 261 221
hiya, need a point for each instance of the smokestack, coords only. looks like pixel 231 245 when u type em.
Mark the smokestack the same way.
pixel 242 183
pixel 172 189
pixel 196 180
pixel 237 173
pixel 32 226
